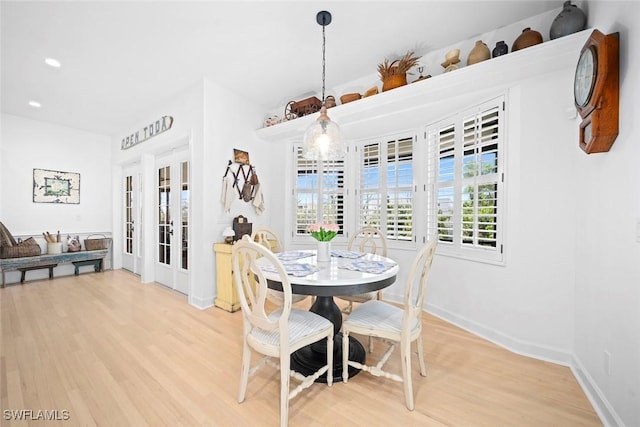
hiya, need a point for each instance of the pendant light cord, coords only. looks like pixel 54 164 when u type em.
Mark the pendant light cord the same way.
pixel 323 61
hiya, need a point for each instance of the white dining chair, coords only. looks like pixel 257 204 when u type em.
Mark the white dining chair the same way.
pixel 394 325
pixel 279 333
pixel 370 240
pixel 270 240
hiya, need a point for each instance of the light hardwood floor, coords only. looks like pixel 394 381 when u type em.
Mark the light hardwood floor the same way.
pixel 114 352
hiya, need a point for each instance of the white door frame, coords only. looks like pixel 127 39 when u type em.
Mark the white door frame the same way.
pixel 168 241
pixel 131 261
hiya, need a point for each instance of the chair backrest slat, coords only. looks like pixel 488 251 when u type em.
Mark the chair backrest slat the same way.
pixel 369 239
pixel 267 238
pixel 252 285
pixel 416 283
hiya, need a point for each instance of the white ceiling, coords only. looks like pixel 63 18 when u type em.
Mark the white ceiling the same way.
pixel 120 58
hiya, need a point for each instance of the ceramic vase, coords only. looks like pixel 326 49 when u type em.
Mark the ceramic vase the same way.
pixel 479 53
pixel 500 49
pixel 571 20
pixel 330 101
pixel 528 38
pixel 324 252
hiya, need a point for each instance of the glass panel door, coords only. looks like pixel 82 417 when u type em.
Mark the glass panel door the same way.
pixel 172 207
pixel 131 223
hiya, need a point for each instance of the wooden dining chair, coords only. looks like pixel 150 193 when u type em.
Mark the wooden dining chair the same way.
pixel 394 325
pixel 267 238
pixel 270 240
pixel 279 333
pixel 371 240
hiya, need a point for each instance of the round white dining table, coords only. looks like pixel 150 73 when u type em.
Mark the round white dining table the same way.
pixel 331 279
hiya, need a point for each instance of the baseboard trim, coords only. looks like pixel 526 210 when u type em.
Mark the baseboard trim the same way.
pixel 524 348
pixel 603 408
pixel 605 411
pixel 201 303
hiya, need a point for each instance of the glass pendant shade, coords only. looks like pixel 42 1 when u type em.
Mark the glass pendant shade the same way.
pixel 323 140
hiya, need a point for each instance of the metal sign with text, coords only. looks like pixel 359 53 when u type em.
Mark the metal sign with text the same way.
pixel 163 124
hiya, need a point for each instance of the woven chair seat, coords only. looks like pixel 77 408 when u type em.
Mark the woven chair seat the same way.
pixel 302 324
pixel 377 317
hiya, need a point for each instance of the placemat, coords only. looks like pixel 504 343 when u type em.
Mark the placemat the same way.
pixel 293 269
pixel 292 255
pixel 347 254
pixel 375 267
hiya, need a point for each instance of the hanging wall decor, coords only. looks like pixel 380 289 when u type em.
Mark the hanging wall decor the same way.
pixel 56 187
pixel 241 157
pixel 163 124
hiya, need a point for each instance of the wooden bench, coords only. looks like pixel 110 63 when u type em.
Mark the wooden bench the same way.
pixel 96 263
pixel 95 257
pixel 23 270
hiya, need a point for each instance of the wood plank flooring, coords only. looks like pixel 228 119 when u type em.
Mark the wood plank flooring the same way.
pixel 102 349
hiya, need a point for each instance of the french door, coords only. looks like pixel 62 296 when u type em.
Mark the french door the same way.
pixel 172 221
pixel 132 223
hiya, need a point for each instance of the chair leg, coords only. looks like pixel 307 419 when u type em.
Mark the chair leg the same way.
pixel 348 309
pixel 330 360
pixel 244 373
pixel 423 369
pixel 284 389
pixel 405 354
pixel 345 356
pixel 370 344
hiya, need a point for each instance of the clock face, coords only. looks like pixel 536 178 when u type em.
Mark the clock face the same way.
pixel 585 76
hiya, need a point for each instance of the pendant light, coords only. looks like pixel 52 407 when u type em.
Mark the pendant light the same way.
pixel 323 140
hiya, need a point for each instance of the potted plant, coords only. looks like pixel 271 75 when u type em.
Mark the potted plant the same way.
pixel 323 233
pixel 394 74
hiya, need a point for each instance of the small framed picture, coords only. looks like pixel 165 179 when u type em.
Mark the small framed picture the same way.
pixel 241 157
pixel 55 186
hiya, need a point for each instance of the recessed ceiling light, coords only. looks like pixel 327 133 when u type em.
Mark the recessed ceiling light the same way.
pixel 52 62
pixel 35 104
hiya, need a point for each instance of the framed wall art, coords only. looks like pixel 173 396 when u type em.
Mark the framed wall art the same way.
pixel 241 157
pixel 56 187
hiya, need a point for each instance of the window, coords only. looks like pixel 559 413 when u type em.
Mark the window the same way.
pixel 386 186
pixel 469 181
pixel 319 192
pixel 445 183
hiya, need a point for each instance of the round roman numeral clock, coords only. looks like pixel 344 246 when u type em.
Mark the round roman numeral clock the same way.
pixel 596 92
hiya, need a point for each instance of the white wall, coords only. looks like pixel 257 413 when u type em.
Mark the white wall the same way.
pixel 526 305
pixel 569 290
pixel 185 133
pixel 607 266
pixel 230 121
pixel 28 144
pixel 214 121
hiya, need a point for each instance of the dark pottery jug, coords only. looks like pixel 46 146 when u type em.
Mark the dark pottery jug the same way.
pixel 528 38
pixel 500 49
pixel 571 20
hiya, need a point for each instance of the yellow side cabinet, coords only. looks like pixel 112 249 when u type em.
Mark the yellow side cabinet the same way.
pixel 227 296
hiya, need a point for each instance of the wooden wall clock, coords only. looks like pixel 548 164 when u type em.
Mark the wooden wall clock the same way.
pixel 596 92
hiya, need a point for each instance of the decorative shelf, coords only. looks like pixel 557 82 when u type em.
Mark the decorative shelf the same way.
pixel 373 114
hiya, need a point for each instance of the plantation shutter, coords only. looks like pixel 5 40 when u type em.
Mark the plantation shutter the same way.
pixel 386 186
pixel 469 181
pixel 480 178
pixel 319 192
pixel 370 187
pixel 445 143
